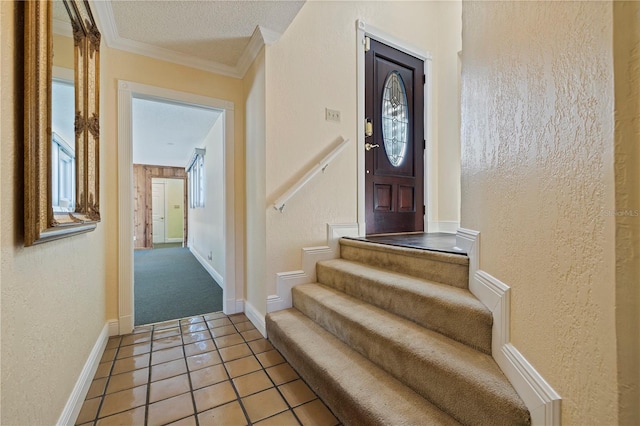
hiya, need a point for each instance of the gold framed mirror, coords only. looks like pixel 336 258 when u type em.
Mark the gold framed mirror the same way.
pixel 61 166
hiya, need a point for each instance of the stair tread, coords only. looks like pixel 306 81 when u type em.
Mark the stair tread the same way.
pixel 356 389
pixel 425 302
pixel 444 359
pixel 407 251
pixel 460 297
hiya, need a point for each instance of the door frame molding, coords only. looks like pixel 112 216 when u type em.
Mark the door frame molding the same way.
pixel 362 30
pixel 232 289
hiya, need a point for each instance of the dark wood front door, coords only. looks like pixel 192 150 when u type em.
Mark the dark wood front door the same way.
pixel 394 156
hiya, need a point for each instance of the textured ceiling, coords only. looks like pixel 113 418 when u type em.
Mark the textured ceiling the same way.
pixel 165 134
pixel 216 31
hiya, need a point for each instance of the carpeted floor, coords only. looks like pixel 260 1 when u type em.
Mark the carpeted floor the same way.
pixel 171 283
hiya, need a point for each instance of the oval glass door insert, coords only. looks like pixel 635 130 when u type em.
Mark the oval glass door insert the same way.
pixel 395 119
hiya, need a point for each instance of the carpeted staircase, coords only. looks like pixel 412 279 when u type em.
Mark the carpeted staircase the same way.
pixel 392 336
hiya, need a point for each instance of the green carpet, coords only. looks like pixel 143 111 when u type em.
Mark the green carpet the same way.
pixel 171 283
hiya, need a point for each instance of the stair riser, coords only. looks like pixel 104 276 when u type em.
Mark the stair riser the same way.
pixel 432 269
pixel 439 315
pixel 451 391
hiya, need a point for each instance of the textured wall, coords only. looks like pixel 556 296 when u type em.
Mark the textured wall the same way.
pixel 626 36
pixel 313 67
pixel 537 175
pixel 52 295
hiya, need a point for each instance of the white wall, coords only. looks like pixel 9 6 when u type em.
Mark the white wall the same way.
pixel 206 224
pixel 52 295
pixel 537 175
pixel 313 67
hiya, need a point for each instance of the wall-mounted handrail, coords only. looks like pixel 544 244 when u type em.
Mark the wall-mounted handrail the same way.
pixel 318 167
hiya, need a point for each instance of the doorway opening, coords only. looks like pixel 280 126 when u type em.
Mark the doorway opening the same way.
pixel 166 161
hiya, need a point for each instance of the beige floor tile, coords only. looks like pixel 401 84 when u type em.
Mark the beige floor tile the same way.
pixel 206 359
pixel 169 332
pixel 234 352
pixel 166 325
pixel 104 368
pixel 270 358
pixel 315 413
pixel 89 410
pixel 242 366
pixel 170 410
pixel 133 350
pixel 192 320
pixel 188 421
pixel 196 337
pixel 219 322
pixel 130 364
pixel 282 373
pixel 252 383
pixel 132 339
pixel 229 415
pixel 283 419
pixel 131 417
pixel 214 316
pixel 194 328
pixel 123 401
pixel 128 380
pixel 166 343
pixel 97 388
pixel 230 340
pixel 297 393
pixel 142 329
pixel 208 376
pixel 262 345
pixel 245 326
pixel 168 369
pixel 199 347
pixel 168 388
pixel 263 404
pixel 165 355
pixel 213 396
pixel 223 331
pixel 237 318
pixel 113 342
pixel 109 355
pixel 252 335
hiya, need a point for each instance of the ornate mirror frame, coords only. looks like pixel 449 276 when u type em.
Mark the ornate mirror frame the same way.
pixel 41 223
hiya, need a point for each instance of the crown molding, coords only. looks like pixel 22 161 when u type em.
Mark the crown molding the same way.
pixel 61 28
pixel 261 36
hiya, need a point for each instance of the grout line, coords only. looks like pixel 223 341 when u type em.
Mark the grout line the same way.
pixel 184 354
pixel 146 405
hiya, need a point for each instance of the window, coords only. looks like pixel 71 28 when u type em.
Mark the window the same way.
pixel 195 170
pixel 63 172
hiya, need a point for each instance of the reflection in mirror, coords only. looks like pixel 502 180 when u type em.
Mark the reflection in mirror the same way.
pixel 61 51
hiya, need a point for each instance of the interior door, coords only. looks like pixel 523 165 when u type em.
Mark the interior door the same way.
pixel 158 211
pixel 394 137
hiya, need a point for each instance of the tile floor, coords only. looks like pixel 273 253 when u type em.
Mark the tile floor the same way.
pixel 205 370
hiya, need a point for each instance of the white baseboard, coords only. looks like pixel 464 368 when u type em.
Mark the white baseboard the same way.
pixel 540 398
pixel 72 408
pixel 207 266
pixel 255 317
pixel 114 327
pixel 448 226
pixel 285 281
pixel 173 240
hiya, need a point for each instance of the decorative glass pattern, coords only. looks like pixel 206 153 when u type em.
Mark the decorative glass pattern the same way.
pixel 395 119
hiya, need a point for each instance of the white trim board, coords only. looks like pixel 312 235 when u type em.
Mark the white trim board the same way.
pixel 210 269
pixel 234 267
pixel 362 30
pixel 73 406
pixel 541 399
pixel 256 318
pixel 285 281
